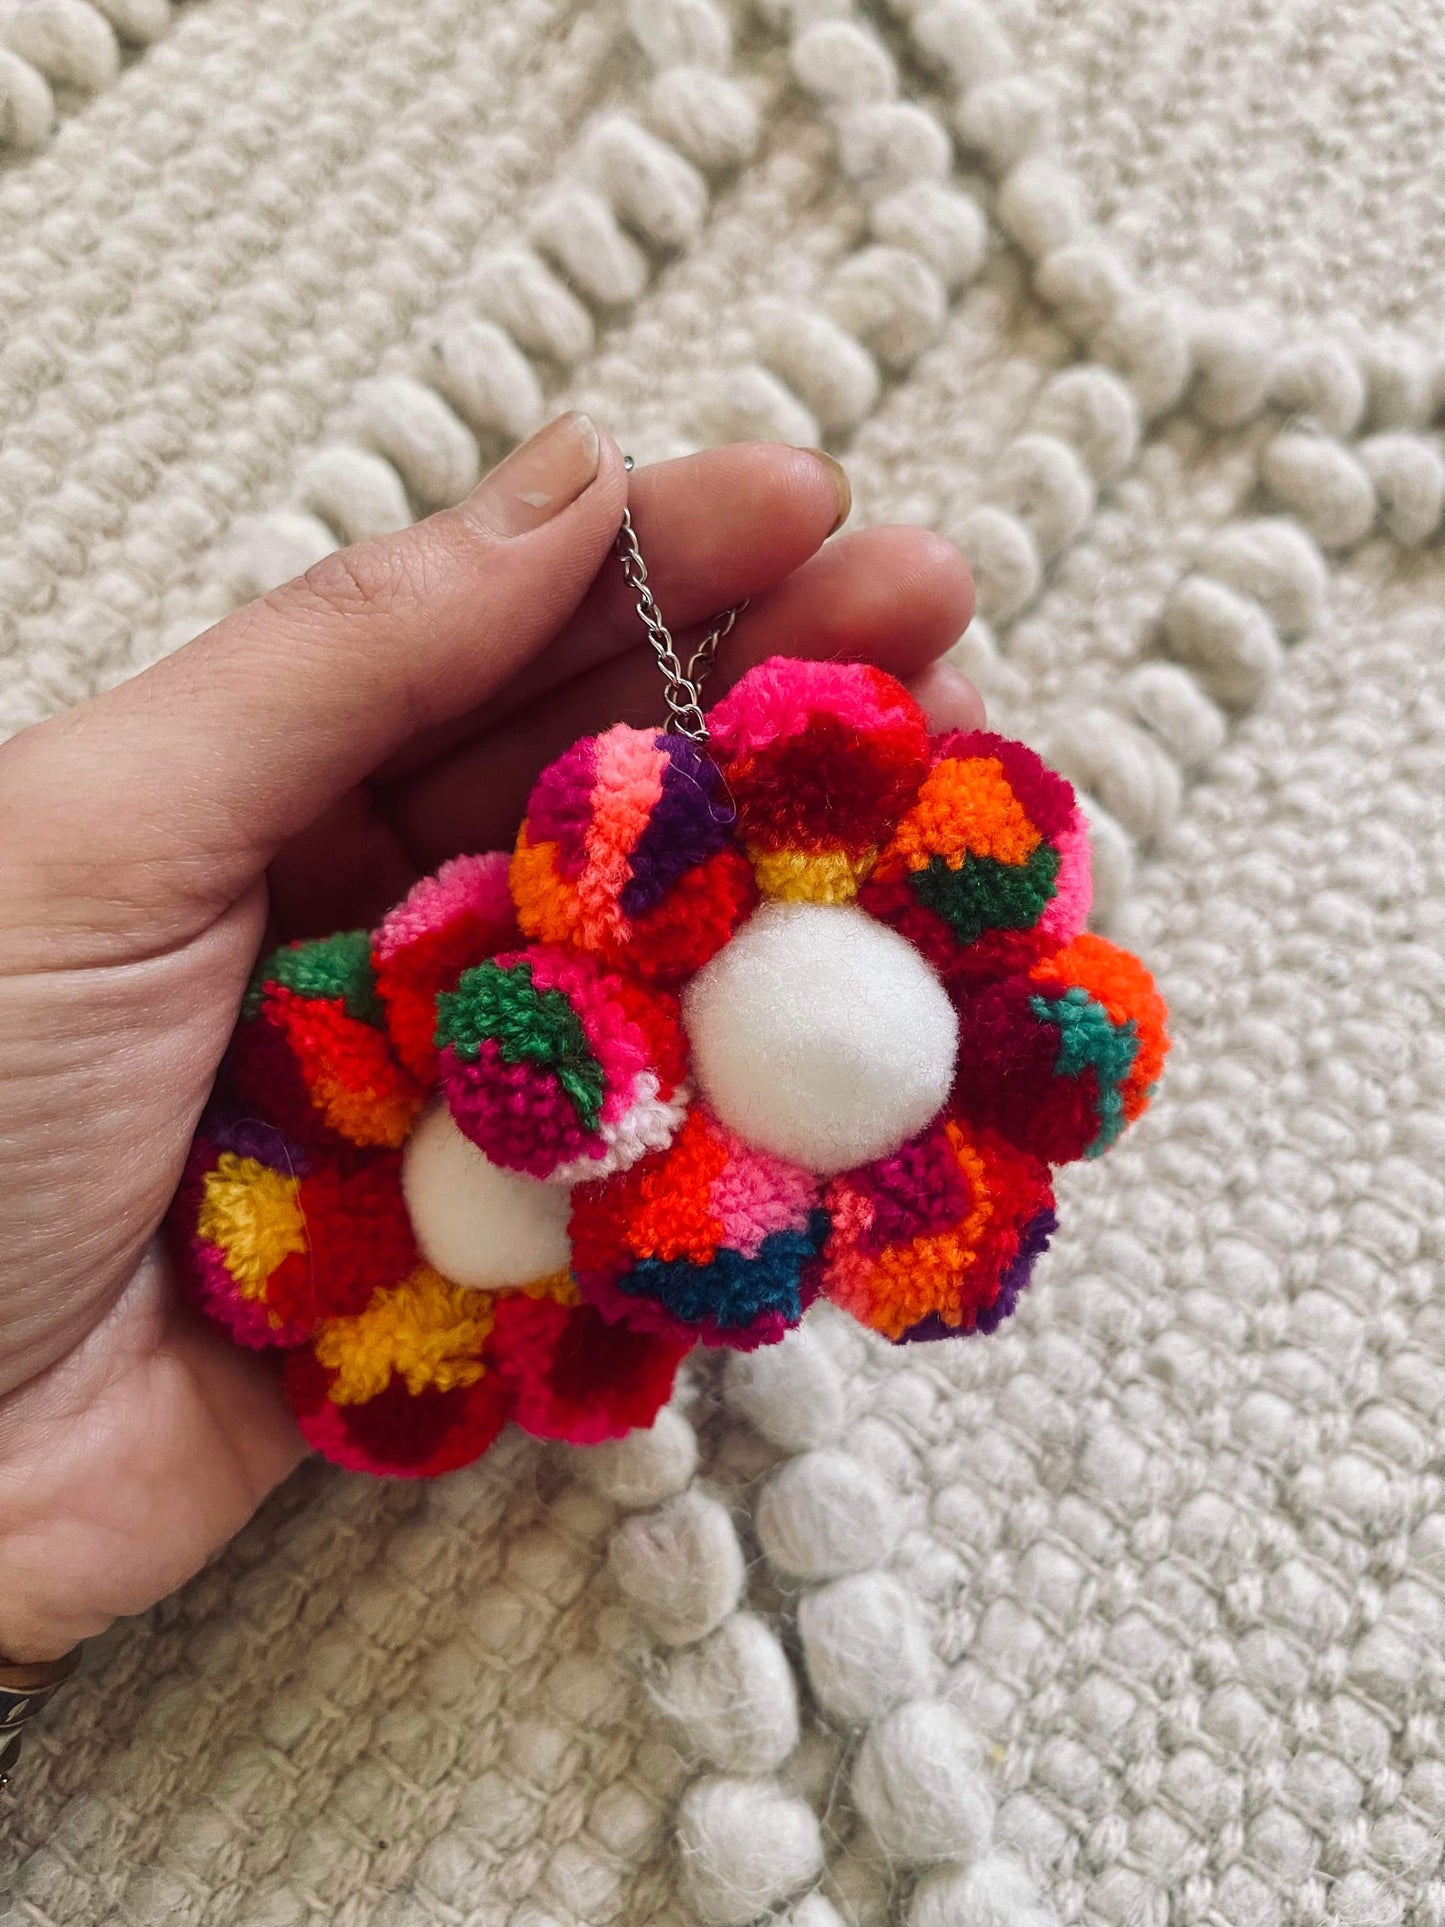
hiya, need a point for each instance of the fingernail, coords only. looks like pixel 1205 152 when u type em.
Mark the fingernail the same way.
pixel 947 696
pixel 539 479
pixel 842 487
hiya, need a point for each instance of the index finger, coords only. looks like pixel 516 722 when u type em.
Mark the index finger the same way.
pixel 714 529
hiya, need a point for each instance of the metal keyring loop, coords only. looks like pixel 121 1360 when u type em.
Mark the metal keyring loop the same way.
pixel 682 685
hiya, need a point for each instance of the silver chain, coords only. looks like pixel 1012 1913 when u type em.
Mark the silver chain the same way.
pixel 682 685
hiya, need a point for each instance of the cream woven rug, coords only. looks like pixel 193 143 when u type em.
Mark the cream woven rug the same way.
pixel 1140 301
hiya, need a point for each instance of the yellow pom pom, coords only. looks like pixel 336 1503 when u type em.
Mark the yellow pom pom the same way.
pixel 253 1216
pixel 809 876
pixel 428 1332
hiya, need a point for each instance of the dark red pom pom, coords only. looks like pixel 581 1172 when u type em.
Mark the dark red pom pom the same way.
pixel 398 1434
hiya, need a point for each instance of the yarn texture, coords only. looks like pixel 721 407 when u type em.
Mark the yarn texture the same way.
pixel 895 1025
pixel 1169 1542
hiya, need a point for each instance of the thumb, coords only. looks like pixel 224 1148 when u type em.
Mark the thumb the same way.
pixel 180 785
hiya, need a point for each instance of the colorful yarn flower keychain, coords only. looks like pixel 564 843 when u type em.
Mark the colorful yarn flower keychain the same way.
pixel 786 999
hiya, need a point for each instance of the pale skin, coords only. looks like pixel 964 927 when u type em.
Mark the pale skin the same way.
pixel 291 772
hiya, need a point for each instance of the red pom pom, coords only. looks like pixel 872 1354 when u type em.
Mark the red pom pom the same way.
pixel 1007 1054
pixel 708 1240
pixel 938 1238
pixel 819 756
pixel 270 1238
pixel 233 1228
pixel 398 1434
pixel 553 1066
pixel 1059 1060
pixel 447 923
pixel 674 939
pixel 627 854
pixel 574 1375
pixel 1119 984
pixel 358 1240
pixel 993 845
pixel 323 1075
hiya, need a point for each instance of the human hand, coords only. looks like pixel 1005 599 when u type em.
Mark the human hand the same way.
pixel 288 773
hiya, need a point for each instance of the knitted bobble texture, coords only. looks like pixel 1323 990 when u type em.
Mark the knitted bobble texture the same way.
pixel 943 227
pixel 645 1467
pixel 412 426
pixel 843 65
pixel 709 117
pixel 27 106
pixel 726 1687
pixel 917 1784
pixel 1320 378
pixel 580 230
pixel 824 1514
pixel 356 492
pixel 649 183
pixel 1046 484
pixel 537 311
pixel 916 1779
pixel 993 1892
pixel 1007 567
pixel 723 1681
pixel 835 375
pixel 480 369
pixel 1408 477
pixel 1275 562
pixel 791 1393
pixel 863 1646
pixel 1005 119
pixel 680 1567
pixel 745 1845
pixel 734 1697
pixel 1231 359
pixel 69 41
pixel 1325 485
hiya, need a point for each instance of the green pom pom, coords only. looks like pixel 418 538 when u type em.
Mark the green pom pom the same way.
pixel 1089 1039
pixel 981 893
pixel 322 967
pixel 501 1003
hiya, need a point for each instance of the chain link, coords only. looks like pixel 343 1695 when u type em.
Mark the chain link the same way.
pixel 682 684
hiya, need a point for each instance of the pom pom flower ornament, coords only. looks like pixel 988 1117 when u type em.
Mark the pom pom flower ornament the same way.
pixel 794 999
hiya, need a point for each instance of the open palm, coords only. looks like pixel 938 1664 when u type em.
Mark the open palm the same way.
pixel 293 771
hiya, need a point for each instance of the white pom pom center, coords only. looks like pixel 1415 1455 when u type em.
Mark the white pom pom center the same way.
pixel 479 1225
pixel 820 1035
